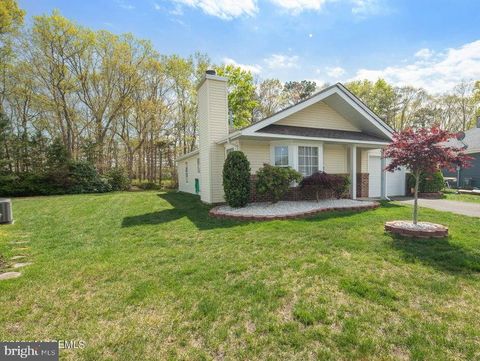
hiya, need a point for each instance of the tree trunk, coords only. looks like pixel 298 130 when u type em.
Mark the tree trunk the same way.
pixel 415 202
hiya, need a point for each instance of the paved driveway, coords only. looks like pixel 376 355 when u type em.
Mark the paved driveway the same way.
pixel 464 208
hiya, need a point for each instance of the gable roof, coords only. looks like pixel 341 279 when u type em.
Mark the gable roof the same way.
pixel 471 140
pixel 338 95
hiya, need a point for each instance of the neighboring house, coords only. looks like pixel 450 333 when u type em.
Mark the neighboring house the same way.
pixel 468 177
pixel 331 131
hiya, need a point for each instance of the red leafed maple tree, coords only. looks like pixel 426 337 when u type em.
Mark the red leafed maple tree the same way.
pixel 424 151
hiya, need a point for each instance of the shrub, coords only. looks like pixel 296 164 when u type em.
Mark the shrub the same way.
pixel 340 186
pixel 73 177
pixel 320 181
pixel 27 184
pixel 429 183
pixel 236 179
pixel 149 186
pixel 118 179
pixel 84 178
pixel 275 181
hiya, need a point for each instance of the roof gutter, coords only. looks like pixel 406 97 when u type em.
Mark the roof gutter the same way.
pixel 230 137
pixel 188 155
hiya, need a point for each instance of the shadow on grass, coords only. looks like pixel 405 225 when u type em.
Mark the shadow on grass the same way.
pixel 438 253
pixel 184 205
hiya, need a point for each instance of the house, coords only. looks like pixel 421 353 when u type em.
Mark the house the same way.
pixel 331 131
pixel 468 177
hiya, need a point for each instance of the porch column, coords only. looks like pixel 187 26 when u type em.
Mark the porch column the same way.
pixel 383 177
pixel 353 171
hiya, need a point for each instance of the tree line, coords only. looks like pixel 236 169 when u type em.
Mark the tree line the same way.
pixel 113 101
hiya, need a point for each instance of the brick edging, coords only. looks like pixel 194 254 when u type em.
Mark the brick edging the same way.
pixel 430 195
pixel 440 231
pixel 216 214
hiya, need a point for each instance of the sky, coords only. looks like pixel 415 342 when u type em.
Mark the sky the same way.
pixel 432 44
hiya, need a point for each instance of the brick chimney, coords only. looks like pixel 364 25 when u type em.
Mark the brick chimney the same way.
pixel 212 127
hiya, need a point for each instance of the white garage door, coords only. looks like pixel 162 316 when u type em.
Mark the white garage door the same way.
pixel 396 183
pixel 395 180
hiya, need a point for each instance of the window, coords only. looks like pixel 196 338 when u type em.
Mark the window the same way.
pixel 198 165
pixel 186 172
pixel 281 156
pixel 307 160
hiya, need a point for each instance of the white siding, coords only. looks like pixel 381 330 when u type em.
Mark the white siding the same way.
pixel 362 161
pixel 318 115
pixel 213 126
pixel 335 159
pixel 257 153
pixel 193 173
pixel 204 143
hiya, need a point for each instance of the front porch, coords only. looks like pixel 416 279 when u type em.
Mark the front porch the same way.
pixel 309 156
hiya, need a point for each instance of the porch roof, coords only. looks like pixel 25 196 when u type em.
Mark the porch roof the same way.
pixel 321 133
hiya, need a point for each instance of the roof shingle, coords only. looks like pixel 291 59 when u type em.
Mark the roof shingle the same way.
pixel 320 133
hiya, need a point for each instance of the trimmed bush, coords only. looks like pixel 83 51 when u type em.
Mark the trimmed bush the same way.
pixel 321 181
pixel 275 181
pixel 236 179
pixel 429 183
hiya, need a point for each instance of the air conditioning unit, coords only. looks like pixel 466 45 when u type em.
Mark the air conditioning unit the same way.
pixel 6 211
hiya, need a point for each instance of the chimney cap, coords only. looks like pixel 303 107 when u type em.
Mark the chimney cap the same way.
pixel 211 72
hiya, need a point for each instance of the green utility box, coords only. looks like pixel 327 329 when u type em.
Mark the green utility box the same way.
pixel 197 185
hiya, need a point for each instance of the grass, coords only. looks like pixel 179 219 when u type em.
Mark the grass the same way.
pixel 451 194
pixel 149 276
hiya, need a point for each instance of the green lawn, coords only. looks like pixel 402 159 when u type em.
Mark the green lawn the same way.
pixel 149 276
pixel 451 194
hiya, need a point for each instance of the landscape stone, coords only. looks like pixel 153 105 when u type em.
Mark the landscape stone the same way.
pixel 9 275
pixel 20 265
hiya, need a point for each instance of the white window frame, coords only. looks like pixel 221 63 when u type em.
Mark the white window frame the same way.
pixel 318 158
pixel 275 147
pixel 293 151
pixel 287 144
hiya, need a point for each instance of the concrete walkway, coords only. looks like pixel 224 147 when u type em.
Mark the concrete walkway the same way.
pixel 463 208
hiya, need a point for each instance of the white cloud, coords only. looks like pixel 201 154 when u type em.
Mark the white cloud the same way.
pixel 156 6
pixel 310 35
pixel 280 61
pixel 254 68
pixel 224 9
pixel 124 5
pixel 436 74
pixel 229 9
pixel 424 53
pixel 335 72
pixel 298 6
pixel 364 8
pixel 361 8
